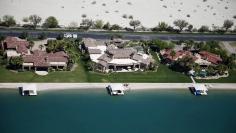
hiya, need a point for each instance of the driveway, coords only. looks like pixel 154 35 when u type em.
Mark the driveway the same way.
pixel 230 50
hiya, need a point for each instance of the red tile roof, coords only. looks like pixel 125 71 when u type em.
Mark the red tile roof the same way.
pixel 15 43
pixel 213 58
pixel 43 59
pixel 178 54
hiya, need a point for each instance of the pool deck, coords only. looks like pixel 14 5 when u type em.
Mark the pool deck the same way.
pixel 132 86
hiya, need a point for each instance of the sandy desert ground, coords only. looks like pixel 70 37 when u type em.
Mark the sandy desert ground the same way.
pixel 149 12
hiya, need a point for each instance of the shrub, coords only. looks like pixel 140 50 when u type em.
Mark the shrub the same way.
pixel 86 23
pixel 15 62
pixel 162 26
pixel 106 26
pixel 181 24
pixel 35 19
pixel 24 35
pixel 83 15
pixel 131 17
pixel 98 24
pixel 60 36
pixel 8 21
pixel 228 24
pixel 124 16
pixel 190 27
pixel 115 27
pixel 51 22
pixel 203 28
pixel 134 23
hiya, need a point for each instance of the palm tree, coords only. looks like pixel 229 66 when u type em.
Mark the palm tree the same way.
pixel 187 63
pixel 162 26
pixel 221 69
pixel 196 46
pixel 72 56
pixel 1 40
pixel 51 46
pixel 91 65
pixel 172 54
pixel 189 44
pixel 211 71
pixel 16 62
pixel 197 68
pixel 31 44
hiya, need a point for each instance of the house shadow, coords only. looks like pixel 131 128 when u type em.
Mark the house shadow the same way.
pixel 191 90
pixel 20 90
pixel 26 93
pixel 108 91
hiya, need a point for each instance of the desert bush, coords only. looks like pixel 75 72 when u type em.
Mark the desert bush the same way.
pixel 134 23
pixel 115 27
pixel 98 24
pixel 106 26
pixel 228 24
pixel 51 22
pixel 24 35
pixel 8 21
pixel 203 28
pixel 181 24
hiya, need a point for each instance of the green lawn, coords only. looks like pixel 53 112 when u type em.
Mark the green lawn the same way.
pixel 163 74
pixel 78 75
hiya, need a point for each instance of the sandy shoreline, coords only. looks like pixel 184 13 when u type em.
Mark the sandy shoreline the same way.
pixel 132 86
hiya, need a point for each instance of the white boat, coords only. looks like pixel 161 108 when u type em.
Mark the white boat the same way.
pixel 199 89
pixel 116 89
pixel 29 90
pixel 70 35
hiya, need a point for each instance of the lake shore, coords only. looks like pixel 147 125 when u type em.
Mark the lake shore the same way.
pixel 132 86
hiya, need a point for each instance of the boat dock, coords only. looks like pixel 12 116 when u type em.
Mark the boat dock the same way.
pixel 28 90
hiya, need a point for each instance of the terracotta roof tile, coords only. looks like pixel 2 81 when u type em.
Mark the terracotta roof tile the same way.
pixel 42 59
pixel 178 54
pixel 15 43
pixel 213 58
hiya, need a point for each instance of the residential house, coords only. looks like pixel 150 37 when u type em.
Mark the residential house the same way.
pixel 166 54
pixel 202 58
pixel 36 59
pixel 110 58
pixel 41 60
pixel 14 46
pixel 212 58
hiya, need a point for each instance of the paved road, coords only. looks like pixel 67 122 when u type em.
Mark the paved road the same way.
pixel 131 36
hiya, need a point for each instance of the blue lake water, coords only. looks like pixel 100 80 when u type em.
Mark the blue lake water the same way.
pixel 83 111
